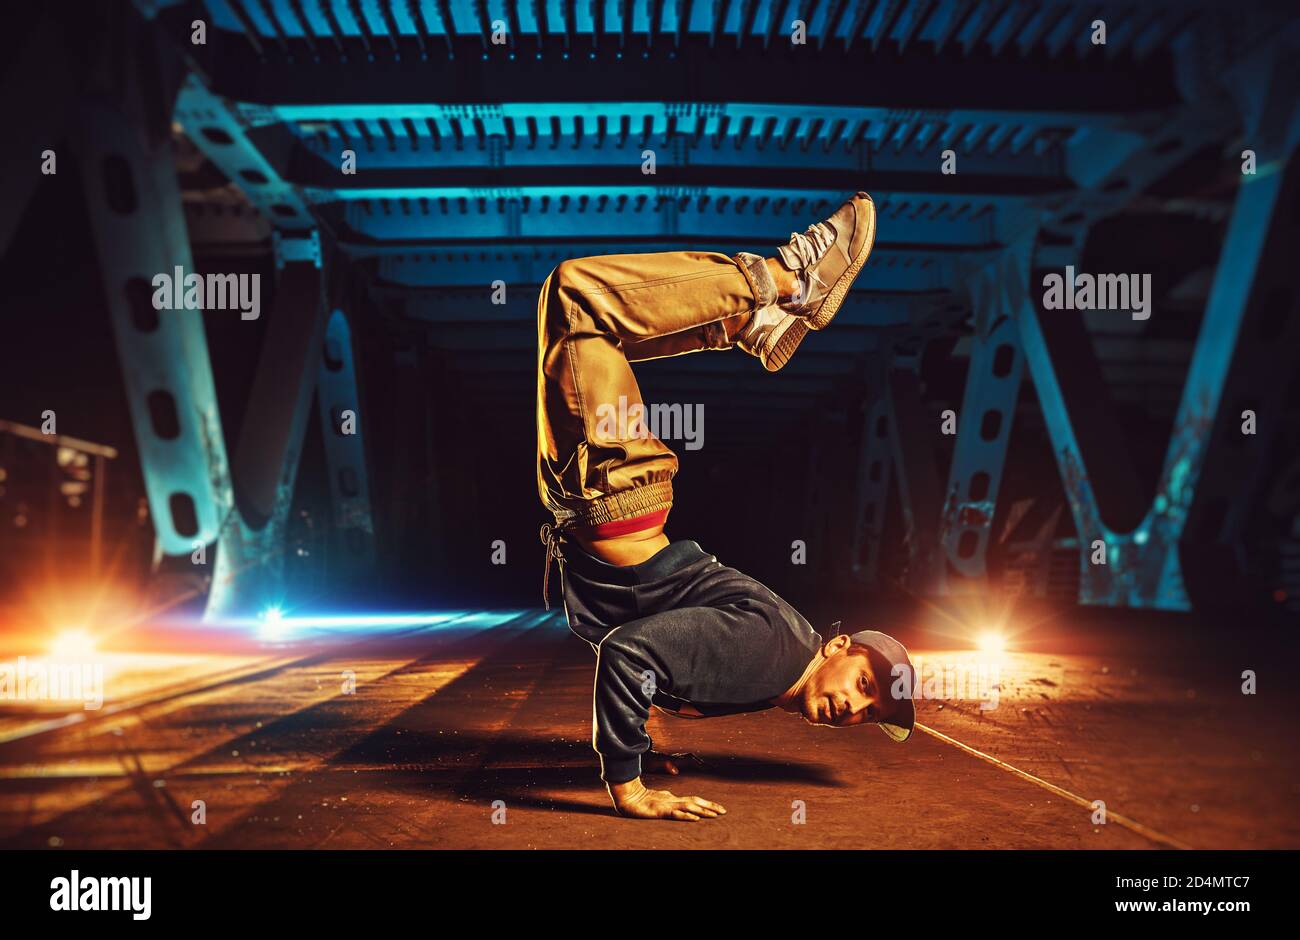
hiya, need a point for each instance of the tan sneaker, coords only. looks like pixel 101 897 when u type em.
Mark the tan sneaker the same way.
pixel 772 335
pixel 826 258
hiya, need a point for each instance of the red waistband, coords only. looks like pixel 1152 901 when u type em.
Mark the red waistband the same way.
pixel 610 530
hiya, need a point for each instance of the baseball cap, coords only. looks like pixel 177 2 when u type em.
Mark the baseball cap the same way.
pixel 891 663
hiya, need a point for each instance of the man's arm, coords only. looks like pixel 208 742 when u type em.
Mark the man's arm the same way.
pixel 632 663
pixel 723 654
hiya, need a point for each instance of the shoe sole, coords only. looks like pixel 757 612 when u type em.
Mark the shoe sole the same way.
pixel 786 343
pixel 831 305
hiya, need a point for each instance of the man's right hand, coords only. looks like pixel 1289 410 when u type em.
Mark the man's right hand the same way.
pixel 637 800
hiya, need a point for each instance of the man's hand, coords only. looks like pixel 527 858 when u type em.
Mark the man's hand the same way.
pixel 637 800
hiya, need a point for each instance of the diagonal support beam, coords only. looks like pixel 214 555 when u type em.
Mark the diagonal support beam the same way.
pixel 998 294
pixel 250 557
pixel 139 229
pixel 1250 369
pixel 345 454
pixel 1143 566
pixel 125 154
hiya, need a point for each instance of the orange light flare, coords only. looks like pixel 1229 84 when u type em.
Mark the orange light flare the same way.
pixel 86 622
pixel 107 630
pixel 73 643
pixel 990 625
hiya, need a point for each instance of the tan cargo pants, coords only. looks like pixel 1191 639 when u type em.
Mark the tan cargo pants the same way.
pixel 594 317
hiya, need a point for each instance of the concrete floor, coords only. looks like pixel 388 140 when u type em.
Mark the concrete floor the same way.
pixel 446 720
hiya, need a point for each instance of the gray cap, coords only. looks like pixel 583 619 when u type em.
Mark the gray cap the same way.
pixel 900 713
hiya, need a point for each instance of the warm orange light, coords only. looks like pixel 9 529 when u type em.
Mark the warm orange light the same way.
pixel 990 641
pixel 73 643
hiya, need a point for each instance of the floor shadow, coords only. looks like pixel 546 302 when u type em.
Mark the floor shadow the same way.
pixel 521 769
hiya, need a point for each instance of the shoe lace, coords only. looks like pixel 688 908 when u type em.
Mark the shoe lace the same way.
pixel 810 245
pixel 806 249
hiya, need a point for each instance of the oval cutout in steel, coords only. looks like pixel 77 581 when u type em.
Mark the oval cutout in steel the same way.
pixel 184 519
pixel 162 414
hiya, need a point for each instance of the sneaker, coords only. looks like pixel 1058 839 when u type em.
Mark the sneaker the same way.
pixel 772 335
pixel 826 258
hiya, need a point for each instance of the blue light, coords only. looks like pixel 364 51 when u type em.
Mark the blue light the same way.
pixel 272 623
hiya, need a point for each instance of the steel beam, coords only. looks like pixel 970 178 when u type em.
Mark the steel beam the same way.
pixel 515 136
pixel 403 221
pixel 124 149
pixel 337 391
pixel 250 557
pixel 1246 361
pixel 998 294
pixel 1143 566
pixel 520 266
pixel 476 76
pixel 135 211
pixel 912 431
pixel 221 133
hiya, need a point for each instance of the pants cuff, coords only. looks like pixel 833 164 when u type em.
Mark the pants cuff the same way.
pixel 759 277
pixel 636 503
pixel 619 770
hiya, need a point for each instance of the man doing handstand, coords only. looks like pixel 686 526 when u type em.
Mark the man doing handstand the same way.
pixel 671 626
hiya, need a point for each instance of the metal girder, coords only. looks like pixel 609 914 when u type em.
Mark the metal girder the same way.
pixel 638 23
pixel 221 133
pixel 345 454
pixel 874 468
pixel 479 266
pixel 419 161
pixel 912 431
pixel 1143 566
pixel 1096 467
pixel 527 138
pixel 1113 164
pixel 135 211
pixel 250 552
pixel 987 414
pixel 400 222
pixel 266 456
pixel 1247 351
pixel 480 73
pixel 456 305
pixel 610 171
pixel 124 149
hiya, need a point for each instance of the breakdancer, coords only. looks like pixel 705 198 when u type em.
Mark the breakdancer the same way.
pixel 670 625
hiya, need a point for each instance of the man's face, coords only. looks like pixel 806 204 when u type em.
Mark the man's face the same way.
pixel 844 689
